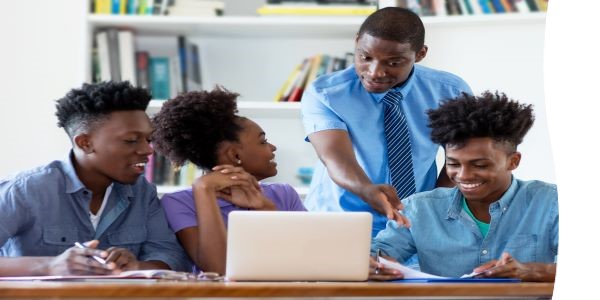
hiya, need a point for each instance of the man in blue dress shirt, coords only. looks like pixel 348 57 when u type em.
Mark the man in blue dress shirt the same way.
pixel 96 196
pixel 343 116
pixel 490 222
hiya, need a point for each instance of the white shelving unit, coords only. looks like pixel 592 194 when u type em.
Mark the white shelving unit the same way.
pixel 253 56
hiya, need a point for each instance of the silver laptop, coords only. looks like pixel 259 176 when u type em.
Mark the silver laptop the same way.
pixel 298 246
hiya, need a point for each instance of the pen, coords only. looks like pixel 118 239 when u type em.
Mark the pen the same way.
pixel 98 259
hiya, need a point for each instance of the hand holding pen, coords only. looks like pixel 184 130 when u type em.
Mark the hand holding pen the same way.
pixel 378 272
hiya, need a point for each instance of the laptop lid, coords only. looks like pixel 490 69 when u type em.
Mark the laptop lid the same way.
pixel 298 246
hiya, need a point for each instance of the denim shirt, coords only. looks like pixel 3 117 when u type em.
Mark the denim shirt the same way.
pixel 45 210
pixel 339 101
pixel 524 223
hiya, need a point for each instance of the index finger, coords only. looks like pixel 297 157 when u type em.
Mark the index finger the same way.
pixel 401 219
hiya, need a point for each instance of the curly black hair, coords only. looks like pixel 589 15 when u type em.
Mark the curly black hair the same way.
pixel 395 24
pixel 491 115
pixel 191 126
pixel 80 109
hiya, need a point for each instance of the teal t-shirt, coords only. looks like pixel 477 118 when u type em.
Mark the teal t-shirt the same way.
pixel 483 227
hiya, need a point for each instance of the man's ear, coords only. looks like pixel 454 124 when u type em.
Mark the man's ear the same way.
pixel 421 53
pixel 84 142
pixel 513 160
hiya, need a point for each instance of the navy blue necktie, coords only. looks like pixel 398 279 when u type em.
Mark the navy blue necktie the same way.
pixel 398 146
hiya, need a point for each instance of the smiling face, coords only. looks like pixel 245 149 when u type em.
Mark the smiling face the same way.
pixel 256 154
pixel 382 64
pixel 117 148
pixel 481 168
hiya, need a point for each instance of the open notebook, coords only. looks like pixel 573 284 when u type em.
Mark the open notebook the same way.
pixel 298 246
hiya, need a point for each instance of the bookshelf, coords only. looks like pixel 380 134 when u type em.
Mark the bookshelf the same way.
pixel 253 55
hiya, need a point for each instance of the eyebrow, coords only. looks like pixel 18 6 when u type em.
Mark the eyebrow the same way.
pixel 473 160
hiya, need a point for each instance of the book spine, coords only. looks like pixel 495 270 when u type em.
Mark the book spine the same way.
pixel 113 53
pixel 183 60
pixel 142 60
pixel 127 56
pixel 159 78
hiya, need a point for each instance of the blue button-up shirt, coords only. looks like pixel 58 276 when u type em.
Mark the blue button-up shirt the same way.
pixel 339 101
pixel 524 223
pixel 45 210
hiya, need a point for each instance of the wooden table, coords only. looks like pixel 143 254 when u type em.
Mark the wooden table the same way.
pixel 144 289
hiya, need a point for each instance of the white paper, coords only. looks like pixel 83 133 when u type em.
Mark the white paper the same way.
pixel 408 272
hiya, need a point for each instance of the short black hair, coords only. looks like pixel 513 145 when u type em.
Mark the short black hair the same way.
pixel 80 109
pixel 191 126
pixel 491 115
pixel 395 24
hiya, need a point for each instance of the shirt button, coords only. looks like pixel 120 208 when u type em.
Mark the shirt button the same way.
pixel 484 252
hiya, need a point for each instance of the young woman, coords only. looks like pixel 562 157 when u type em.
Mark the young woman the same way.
pixel 203 128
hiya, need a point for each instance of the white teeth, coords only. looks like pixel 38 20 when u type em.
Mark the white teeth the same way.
pixel 470 185
pixel 140 164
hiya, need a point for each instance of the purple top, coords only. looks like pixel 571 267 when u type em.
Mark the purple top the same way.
pixel 180 207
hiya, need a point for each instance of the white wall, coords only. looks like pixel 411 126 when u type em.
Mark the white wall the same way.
pixel 40 60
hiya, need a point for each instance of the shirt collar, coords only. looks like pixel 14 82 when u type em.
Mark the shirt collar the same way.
pixel 73 184
pixel 503 203
pixel 402 89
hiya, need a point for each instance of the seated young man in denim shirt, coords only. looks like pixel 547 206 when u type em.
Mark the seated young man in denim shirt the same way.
pixel 490 219
pixel 95 196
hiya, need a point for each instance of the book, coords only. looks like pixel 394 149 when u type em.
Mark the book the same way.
pixel 159 78
pixel 316 10
pixel 103 56
pixel 127 56
pixel 102 6
pixel 194 68
pixel 287 85
pixel 113 54
pixel 197 8
pixel 142 60
pixel 521 6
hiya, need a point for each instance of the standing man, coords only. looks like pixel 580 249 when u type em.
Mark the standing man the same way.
pixel 96 195
pixel 367 123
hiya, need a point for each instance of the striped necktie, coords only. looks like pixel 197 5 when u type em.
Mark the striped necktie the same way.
pixel 398 146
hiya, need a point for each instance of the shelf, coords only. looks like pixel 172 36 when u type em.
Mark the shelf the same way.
pixel 163 189
pixel 252 109
pixel 282 27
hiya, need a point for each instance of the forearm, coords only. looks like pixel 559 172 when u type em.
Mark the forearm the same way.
pixel 212 236
pixel 335 151
pixel 24 266
pixel 347 173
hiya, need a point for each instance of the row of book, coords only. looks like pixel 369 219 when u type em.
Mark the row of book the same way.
pixel 116 58
pixel 159 7
pixel 467 7
pixel 160 171
pixel 421 7
pixel 306 71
